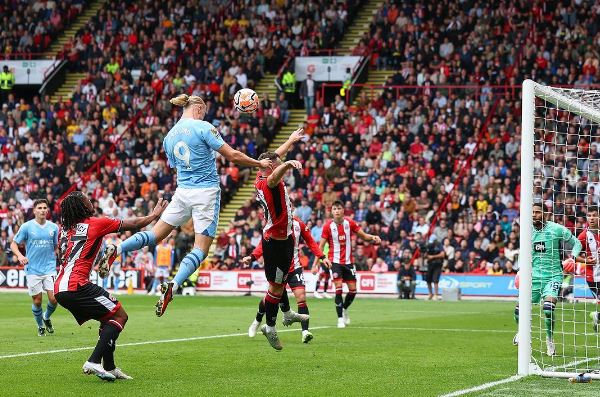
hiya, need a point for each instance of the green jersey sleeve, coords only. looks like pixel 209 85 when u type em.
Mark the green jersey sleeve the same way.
pixel 546 255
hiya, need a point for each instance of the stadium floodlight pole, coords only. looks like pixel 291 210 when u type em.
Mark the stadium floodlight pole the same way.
pixel 526 226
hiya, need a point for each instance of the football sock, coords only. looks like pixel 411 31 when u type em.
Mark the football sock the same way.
pixel 303 309
pixel 339 304
pixel 549 314
pixel 37 314
pixel 271 308
pixel 325 285
pixel 136 242
pixel 108 356
pixel 50 308
pixel 349 298
pixel 317 286
pixel 517 314
pixel 188 265
pixel 284 302
pixel 261 310
pixel 108 334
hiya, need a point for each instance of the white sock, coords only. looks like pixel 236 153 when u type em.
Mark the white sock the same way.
pixel 119 250
pixel 270 329
pixel 175 285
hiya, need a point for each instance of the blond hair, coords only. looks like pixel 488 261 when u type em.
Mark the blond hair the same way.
pixel 185 100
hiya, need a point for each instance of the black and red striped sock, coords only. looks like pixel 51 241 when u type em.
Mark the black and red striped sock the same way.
pixel 303 309
pixel 271 308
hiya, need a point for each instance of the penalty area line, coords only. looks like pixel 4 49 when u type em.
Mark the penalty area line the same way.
pixel 150 342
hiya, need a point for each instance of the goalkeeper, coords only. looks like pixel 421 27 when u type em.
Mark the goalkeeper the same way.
pixel 547 270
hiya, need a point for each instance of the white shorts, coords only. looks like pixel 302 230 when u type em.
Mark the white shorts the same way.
pixel 202 205
pixel 161 272
pixel 39 284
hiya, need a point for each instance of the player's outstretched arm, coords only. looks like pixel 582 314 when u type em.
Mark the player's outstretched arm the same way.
pixel 240 158
pixel 143 221
pixel 368 237
pixel 278 173
pixel 294 138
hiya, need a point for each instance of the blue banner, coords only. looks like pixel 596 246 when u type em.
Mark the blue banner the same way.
pixel 475 285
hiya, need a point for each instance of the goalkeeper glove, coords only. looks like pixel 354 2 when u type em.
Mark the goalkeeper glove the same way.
pixel 569 265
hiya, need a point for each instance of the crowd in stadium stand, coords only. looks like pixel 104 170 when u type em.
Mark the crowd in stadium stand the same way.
pixel 28 27
pixel 400 143
pixel 418 149
pixel 133 68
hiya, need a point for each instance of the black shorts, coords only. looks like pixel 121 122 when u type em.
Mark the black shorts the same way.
pixel 595 288
pixel 296 279
pixel 345 272
pixel 434 271
pixel 89 302
pixel 278 255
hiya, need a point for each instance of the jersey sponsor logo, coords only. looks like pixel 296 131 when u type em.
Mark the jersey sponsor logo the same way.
pixel 342 237
pixel 539 246
pixel 367 282
pixel 243 279
pixel 203 280
pixel 215 132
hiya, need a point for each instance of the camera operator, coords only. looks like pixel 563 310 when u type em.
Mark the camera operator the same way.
pixel 407 280
pixel 434 254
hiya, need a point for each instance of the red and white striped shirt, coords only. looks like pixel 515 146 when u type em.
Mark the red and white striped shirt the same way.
pixel 339 238
pixel 300 230
pixel 277 207
pixel 591 244
pixel 79 249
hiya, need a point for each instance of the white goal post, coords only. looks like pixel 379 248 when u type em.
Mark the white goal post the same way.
pixel 552 119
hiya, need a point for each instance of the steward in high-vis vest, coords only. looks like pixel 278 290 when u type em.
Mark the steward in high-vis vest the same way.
pixel 7 81
pixel 346 84
pixel 289 86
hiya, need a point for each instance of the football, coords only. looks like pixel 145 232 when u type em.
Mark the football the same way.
pixel 246 101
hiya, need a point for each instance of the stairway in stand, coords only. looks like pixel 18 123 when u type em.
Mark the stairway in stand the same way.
pixel 359 26
pixel 65 91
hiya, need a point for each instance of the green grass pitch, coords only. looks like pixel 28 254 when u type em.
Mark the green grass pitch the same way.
pixel 392 348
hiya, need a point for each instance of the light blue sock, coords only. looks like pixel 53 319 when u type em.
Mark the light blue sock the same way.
pixel 189 264
pixel 50 308
pixel 116 284
pixel 138 240
pixel 37 314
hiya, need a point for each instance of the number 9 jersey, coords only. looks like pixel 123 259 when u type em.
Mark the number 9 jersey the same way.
pixel 190 148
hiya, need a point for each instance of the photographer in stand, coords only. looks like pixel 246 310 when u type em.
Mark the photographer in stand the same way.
pixel 434 254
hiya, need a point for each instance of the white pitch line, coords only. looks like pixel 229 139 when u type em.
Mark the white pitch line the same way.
pixel 514 378
pixel 151 342
pixel 441 329
pixel 75 349
pixel 483 386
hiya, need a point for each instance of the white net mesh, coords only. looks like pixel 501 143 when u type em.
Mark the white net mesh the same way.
pixel 567 182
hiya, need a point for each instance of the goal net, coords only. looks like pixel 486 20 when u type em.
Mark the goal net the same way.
pixel 560 173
